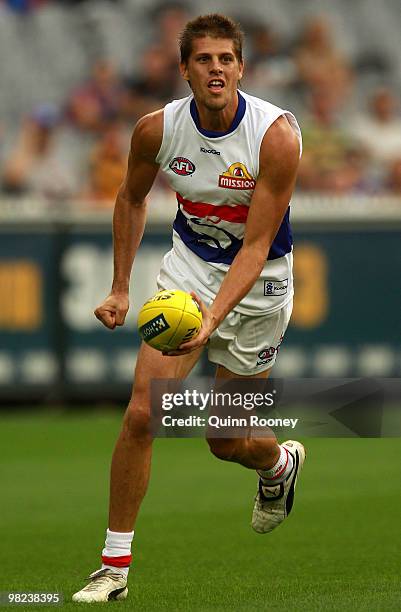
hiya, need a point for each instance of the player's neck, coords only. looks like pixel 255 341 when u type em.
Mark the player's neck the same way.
pixel 217 120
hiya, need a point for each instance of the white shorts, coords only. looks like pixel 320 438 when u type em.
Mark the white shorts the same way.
pixel 245 344
pixel 248 345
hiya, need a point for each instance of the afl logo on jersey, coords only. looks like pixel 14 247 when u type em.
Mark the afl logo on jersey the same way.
pixel 237 177
pixel 182 166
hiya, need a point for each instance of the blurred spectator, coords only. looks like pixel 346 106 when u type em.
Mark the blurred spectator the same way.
pixel 97 101
pixel 342 152
pixel 393 183
pixel 170 17
pixel 155 86
pixel 1 143
pixel 380 130
pixel 25 6
pixel 108 162
pixel 269 64
pixel 38 164
pixel 319 63
pixel 331 162
pixel 352 174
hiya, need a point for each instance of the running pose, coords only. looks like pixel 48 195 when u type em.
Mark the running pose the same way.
pixel 232 160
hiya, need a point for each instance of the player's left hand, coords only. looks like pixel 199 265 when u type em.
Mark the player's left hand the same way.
pixel 209 324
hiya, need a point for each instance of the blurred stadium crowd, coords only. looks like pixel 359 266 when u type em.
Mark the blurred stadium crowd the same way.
pixel 76 76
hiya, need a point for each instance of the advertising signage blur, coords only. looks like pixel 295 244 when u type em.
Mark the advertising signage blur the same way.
pixel 345 320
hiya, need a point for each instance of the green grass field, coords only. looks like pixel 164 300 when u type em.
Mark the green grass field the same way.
pixel 194 548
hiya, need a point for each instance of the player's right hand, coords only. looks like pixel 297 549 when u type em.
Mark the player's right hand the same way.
pixel 113 310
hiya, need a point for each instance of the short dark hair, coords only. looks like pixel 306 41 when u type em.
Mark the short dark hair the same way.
pixel 214 25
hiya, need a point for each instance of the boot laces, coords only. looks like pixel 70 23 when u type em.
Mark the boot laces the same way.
pixel 101 578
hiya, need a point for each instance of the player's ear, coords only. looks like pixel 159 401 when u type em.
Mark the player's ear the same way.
pixel 184 71
pixel 241 70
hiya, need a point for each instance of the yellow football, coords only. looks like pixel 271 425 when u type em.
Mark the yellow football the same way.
pixel 168 319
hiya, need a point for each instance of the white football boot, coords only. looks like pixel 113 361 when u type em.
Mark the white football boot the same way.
pixel 104 585
pixel 273 503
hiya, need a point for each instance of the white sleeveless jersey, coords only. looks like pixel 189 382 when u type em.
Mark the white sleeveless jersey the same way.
pixel 214 175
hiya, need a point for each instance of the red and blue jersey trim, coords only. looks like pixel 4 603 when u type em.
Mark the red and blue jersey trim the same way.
pixel 222 212
pixel 202 214
pixel 239 115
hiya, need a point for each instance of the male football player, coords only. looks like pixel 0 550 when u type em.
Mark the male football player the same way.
pixel 232 160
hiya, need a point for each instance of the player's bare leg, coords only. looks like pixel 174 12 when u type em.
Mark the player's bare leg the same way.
pixel 278 467
pixel 130 466
pixel 254 453
pixel 130 471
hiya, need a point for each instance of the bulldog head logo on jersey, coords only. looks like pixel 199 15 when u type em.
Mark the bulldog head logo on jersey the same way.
pixel 237 177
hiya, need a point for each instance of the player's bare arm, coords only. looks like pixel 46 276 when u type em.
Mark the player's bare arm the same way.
pixel 130 215
pixel 278 163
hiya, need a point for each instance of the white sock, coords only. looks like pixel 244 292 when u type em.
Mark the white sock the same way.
pixel 280 471
pixel 116 554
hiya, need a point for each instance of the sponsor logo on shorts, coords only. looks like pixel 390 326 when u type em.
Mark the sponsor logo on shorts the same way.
pixel 237 177
pixel 212 151
pixel 267 355
pixel 154 327
pixel 276 287
pixel 182 166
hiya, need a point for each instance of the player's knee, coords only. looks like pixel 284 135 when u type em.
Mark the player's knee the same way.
pixel 223 448
pixel 137 421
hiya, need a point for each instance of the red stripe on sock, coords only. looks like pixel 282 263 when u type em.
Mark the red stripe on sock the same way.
pixel 282 469
pixel 123 561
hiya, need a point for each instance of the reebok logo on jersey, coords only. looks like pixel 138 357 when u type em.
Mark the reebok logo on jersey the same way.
pixel 274 287
pixel 237 177
pixel 182 166
pixel 213 151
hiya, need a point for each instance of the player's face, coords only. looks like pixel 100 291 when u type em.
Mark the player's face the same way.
pixel 213 71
